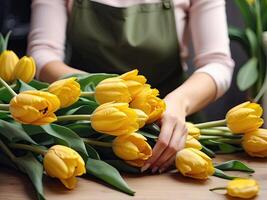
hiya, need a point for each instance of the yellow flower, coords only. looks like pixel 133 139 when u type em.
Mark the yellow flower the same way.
pixel 114 119
pixel 251 2
pixel 141 117
pixel 67 90
pixel 25 69
pixel 255 143
pixel 192 130
pixel 191 142
pixel 132 148
pixel 147 101
pixel 194 163
pixel 242 188
pixel 65 164
pixel 112 90
pixel 8 61
pixel 34 107
pixel 245 117
pixel 133 81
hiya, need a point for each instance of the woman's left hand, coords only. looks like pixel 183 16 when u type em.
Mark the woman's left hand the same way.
pixel 171 138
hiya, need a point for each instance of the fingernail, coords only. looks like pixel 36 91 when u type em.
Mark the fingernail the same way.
pixel 154 169
pixel 145 167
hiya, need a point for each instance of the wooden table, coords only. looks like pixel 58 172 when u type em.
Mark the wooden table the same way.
pixel 15 186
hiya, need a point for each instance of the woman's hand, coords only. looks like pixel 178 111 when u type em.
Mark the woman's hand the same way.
pixel 172 136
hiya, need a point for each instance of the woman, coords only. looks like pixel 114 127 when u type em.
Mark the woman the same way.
pixel 151 35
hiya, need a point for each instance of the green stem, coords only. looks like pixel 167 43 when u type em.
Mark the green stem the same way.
pixel 4 107
pixel 35 149
pixel 11 91
pixel 97 143
pixel 102 137
pixel 208 137
pixel 211 124
pixel 213 132
pixel 230 141
pixel 218 188
pixel 87 94
pixel 221 128
pixel 7 151
pixel 73 118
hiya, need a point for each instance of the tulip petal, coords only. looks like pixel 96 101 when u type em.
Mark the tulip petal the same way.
pixel 69 183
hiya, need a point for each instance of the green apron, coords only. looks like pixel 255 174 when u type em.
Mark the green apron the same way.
pixel 102 38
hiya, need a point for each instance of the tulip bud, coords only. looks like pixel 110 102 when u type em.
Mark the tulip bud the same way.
pixel 67 90
pixel 191 142
pixel 141 117
pixel 194 163
pixel 65 164
pixel 133 81
pixel 25 69
pixel 8 61
pixel 147 101
pixel 244 118
pixel 192 130
pixel 242 188
pixel 255 143
pixel 114 119
pixel 34 107
pixel 132 148
pixel 112 90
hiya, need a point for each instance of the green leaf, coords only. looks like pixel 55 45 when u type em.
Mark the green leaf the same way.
pixel 79 110
pixel 247 74
pixel 14 133
pixel 208 151
pixel 253 41
pixel 83 129
pixel 107 173
pixel 220 174
pixel 123 167
pixel 234 165
pixel 38 84
pixel 2 41
pixel 5 115
pixel 67 136
pixel 239 35
pixel 92 152
pixel 24 86
pixel 147 135
pixel 152 129
pixel 226 148
pixel 247 12
pixel 34 169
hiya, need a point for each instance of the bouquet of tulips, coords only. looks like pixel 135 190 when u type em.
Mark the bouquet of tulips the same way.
pixel 103 124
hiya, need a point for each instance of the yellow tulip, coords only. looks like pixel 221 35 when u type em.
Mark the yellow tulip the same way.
pixel 133 81
pixel 25 69
pixel 65 164
pixel 67 90
pixel 112 90
pixel 147 101
pixel 194 163
pixel 141 117
pixel 192 130
pixel 255 143
pixel 191 142
pixel 34 107
pixel 114 119
pixel 245 117
pixel 242 188
pixel 132 148
pixel 8 61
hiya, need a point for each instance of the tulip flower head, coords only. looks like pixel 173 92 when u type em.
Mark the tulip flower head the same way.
pixel 245 117
pixel 34 107
pixel 133 81
pixel 255 143
pixel 194 163
pixel 141 117
pixel 191 142
pixel 114 119
pixel 132 148
pixel 8 61
pixel 25 69
pixel 147 101
pixel 65 164
pixel 67 90
pixel 242 188
pixel 192 130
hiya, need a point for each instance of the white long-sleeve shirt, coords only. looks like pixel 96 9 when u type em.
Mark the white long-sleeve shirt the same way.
pixel 205 20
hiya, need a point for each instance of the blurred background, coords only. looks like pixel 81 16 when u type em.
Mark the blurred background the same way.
pixel 15 16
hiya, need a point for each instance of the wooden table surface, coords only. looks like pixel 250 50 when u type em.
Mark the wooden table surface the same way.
pixel 14 185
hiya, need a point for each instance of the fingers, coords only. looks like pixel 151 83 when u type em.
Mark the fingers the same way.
pixel 165 135
pixel 176 143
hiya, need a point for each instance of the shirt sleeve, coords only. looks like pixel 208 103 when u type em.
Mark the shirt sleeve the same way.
pixel 208 25
pixel 46 40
